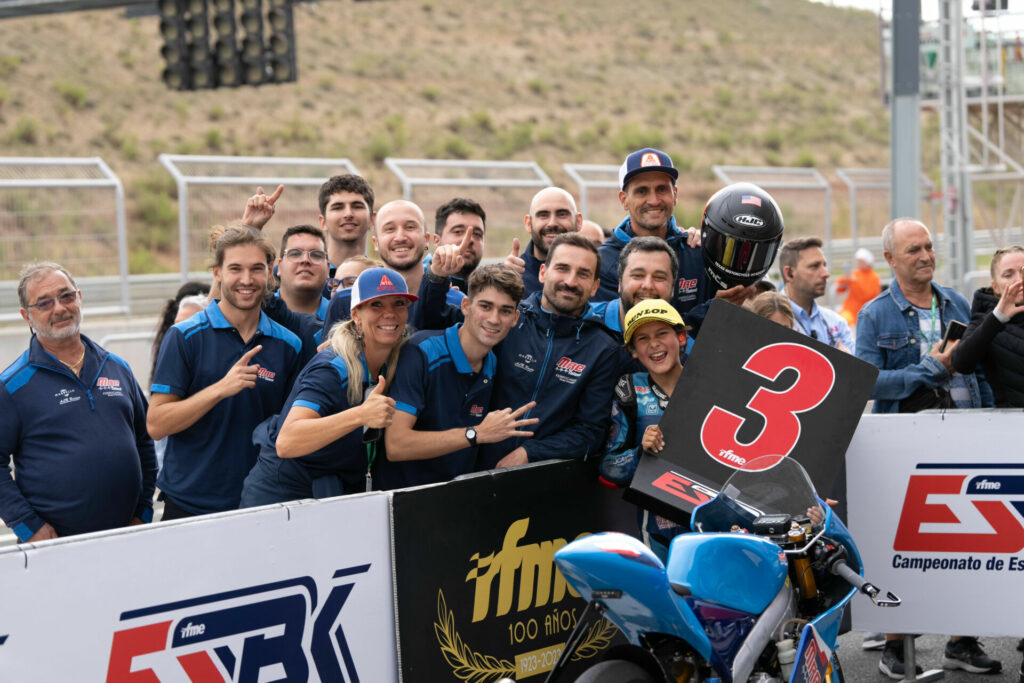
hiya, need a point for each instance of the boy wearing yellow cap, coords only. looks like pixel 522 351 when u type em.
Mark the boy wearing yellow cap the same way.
pixel 654 334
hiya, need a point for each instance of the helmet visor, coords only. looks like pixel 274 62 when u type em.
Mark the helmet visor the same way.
pixel 738 256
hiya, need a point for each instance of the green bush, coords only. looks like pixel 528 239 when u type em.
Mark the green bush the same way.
pixel 72 93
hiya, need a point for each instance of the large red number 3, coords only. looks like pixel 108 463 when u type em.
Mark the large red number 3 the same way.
pixel 781 430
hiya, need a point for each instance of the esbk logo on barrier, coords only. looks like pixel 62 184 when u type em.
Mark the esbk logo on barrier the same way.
pixel 284 630
pixel 979 507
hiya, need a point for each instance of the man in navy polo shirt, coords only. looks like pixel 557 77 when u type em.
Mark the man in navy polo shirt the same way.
pixel 433 436
pixel 74 419
pixel 218 375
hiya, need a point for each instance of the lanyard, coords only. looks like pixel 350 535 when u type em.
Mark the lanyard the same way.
pixel 931 337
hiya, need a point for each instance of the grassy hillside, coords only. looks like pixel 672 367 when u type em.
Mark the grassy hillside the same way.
pixel 747 82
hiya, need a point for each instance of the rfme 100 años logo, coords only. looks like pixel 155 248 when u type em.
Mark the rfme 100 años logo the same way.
pixel 974 510
pixel 522 576
pixel 277 631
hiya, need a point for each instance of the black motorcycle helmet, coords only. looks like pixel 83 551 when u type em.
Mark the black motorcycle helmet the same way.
pixel 740 234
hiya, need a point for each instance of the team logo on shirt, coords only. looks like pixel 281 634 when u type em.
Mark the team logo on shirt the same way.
pixel 109 387
pixel 687 286
pixel 67 396
pixel 268 375
pixel 568 370
pixel 476 411
pixel 525 361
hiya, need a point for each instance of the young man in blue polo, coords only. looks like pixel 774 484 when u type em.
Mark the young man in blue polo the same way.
pixel 443 385
pixel 218 375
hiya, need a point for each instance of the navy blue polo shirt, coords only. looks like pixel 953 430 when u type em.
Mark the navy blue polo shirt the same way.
pixel 435 382
pixel 83 457
pixel 322 386
pixel 205 465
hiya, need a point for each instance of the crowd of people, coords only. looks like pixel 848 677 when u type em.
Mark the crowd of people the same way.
pixel 314 371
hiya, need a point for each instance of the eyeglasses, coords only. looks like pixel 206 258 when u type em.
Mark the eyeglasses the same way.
pixel 342 282
pixel 315 255
pixel 65 299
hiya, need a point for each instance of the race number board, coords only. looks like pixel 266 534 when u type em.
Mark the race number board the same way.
pixel 752 388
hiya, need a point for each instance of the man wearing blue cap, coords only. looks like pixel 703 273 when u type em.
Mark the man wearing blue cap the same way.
pixel 647 182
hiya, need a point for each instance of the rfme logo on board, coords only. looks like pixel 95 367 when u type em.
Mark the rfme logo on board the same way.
pixel 285 630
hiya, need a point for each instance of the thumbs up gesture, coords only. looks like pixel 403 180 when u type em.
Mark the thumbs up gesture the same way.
pixel 378 409
pixel 513 261
pixel 260 208
pixel 241 375
pixel 448 259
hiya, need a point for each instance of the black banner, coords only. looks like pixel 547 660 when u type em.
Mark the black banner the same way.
pixel 753 388
pixel 478 597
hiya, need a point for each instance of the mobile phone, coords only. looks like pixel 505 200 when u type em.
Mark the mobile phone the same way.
pixel 955 330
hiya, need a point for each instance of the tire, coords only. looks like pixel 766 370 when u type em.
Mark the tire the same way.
pixel 615 671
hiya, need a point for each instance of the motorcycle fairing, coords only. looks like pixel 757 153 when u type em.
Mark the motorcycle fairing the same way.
pixel 613 561
pixel 812 657
pixel 725 628
pixel 721 568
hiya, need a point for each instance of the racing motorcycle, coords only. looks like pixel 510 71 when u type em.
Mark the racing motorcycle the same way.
pixel 756 595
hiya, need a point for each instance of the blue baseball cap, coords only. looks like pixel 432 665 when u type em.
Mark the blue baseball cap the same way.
pixel 644 161
pixel 379 282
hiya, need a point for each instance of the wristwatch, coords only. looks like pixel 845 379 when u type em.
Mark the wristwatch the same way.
pixel 471 435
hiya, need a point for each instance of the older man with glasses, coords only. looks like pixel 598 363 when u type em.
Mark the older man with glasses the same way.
pixel 73 419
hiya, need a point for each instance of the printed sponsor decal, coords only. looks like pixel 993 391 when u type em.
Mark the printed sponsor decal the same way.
pixel 386 285
pixel 686 286
pixel 753 200
pixel 104 382
pixel 650 159
pixel 748 220
pixel 266 374
pixel 66 396
pixel 569 367
pixel 476 411
pixel 282 630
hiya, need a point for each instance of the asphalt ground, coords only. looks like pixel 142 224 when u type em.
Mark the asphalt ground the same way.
pixel 862 666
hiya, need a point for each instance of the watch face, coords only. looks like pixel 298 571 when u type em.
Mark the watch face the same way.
pixel 470 433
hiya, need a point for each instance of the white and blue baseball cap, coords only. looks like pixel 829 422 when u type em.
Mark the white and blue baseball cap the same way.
pixel 644 161
pixel 375 283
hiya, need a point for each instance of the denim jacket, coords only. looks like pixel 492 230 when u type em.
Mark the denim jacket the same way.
pixel 889 336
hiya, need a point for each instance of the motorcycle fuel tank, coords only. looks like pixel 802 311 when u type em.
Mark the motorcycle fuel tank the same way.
pixel 738 571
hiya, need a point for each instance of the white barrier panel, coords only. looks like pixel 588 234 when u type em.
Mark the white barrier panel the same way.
pixel 936 507
pixel 297 592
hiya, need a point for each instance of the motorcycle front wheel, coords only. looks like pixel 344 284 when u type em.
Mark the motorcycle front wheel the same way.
pixel 615 671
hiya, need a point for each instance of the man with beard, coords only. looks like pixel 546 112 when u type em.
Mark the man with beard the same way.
pixel 558 354
pixel 452 221
pixel 73 418
pixel 552 213
pixel 400 237
pixel 805 274
pixel 219 374
pixel 646 271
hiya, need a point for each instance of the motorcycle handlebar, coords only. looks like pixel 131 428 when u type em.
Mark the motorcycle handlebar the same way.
pixel 842 570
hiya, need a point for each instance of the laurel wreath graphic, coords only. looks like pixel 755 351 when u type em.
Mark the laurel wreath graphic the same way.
pixel 466 665
pixel 474 667
pixel 597 638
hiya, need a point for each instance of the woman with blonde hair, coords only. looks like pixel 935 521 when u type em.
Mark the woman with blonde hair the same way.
pixel 774 306
pixel 317 446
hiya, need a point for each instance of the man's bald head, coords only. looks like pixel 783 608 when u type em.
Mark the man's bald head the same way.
pixel 593 232
pixel 552 213
pixel 400 234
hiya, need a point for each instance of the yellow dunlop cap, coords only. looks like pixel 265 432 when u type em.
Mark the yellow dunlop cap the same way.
pixel 651 310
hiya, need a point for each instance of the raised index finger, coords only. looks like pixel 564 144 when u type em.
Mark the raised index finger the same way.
pixel 247 356
pixel 277 194
pixel 465 240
